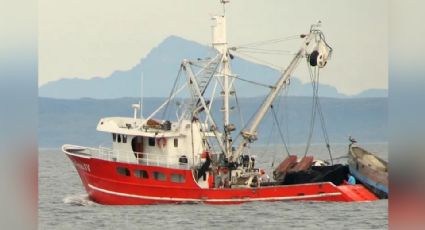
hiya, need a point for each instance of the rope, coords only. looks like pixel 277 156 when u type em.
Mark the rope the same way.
pixel 249 120
pixel 314 77
pixel 324 130
pixel 241 118
pixel 239 110
pixel 322 119
pixel 264 51
pixel 241 53
pixel 172 92
pixel 238 78
pixel 285 113
pixel 271 133
pixel 271 41
pixel 280 131
pixel 285 97
pixel 252 82
pixel 313 109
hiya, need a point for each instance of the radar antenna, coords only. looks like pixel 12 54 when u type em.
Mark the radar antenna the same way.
pixel 224 5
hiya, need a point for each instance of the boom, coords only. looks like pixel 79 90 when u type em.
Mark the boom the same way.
pixel 320 54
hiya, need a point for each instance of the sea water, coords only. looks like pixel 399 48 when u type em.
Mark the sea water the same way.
pixel 63 203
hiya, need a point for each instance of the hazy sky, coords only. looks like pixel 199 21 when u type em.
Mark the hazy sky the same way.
pixel 94 38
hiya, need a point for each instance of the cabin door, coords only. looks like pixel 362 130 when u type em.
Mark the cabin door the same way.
pixel 137 146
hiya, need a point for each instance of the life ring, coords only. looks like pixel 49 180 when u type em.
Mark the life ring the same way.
pixel 161 142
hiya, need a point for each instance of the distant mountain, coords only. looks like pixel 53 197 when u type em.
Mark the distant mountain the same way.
pixel 160 68
pixel 74 121
pixel 373 93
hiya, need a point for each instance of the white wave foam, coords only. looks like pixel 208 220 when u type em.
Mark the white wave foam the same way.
pixel 78 200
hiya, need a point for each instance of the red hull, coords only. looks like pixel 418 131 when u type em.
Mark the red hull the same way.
pixel 105 186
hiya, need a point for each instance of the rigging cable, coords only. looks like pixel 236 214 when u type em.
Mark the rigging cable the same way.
pixel 271 133
pixel 271 41
pixel 241 79
pixel 257 59
pixel 313 109
pixel 278 128
pixel 242 121
pixel 285 112
pixel 323 124
pixel 241 118
pixel 249 120
pixel 172 91
pixel 316 107
pixel 263 51
pixel 285 96
pixel 252 82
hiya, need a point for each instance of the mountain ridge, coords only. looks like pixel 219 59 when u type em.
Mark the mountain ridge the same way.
pixel 162 64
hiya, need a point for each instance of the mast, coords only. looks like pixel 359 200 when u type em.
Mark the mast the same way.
pixel 219 42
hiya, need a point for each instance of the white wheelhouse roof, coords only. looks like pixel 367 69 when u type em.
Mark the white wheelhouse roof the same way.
pixel 133 127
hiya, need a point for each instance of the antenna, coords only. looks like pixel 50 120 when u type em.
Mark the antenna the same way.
pixel 141 96
pixel 316 26
pixel 224 3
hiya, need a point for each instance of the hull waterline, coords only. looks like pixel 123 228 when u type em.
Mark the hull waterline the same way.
pixel 105 186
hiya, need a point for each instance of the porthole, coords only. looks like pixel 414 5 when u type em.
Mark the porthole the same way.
pixel 159 176
pixel 141 174
pixel 123 171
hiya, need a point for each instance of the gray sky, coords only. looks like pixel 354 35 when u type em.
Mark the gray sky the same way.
pixel 94 38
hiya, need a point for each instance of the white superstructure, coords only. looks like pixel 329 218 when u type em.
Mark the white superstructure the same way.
pixel 173 141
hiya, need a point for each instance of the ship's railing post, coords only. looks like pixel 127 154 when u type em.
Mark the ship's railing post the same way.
pixel 155 159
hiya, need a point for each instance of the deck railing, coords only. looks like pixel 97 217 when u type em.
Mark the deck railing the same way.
pixel 142 158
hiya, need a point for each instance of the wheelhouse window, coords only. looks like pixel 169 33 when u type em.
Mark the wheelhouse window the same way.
pixel 176 142
pixel 141 174
pixel 114 137
pixel 183 159
pixel 177 178
pixel 123 171
pixel 159 176
pixel 124 138
pixel 119 138
pixel 151 141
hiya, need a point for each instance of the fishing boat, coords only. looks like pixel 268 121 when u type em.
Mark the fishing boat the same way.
pixel 196 158
pixel 369 169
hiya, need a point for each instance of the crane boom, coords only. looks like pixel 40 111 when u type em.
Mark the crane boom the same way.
pixel 249 135
pixel 314 40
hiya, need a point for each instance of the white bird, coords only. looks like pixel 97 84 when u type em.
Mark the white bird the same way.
pixel 352 140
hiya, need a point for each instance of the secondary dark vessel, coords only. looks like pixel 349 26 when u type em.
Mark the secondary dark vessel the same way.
pixel 369 169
